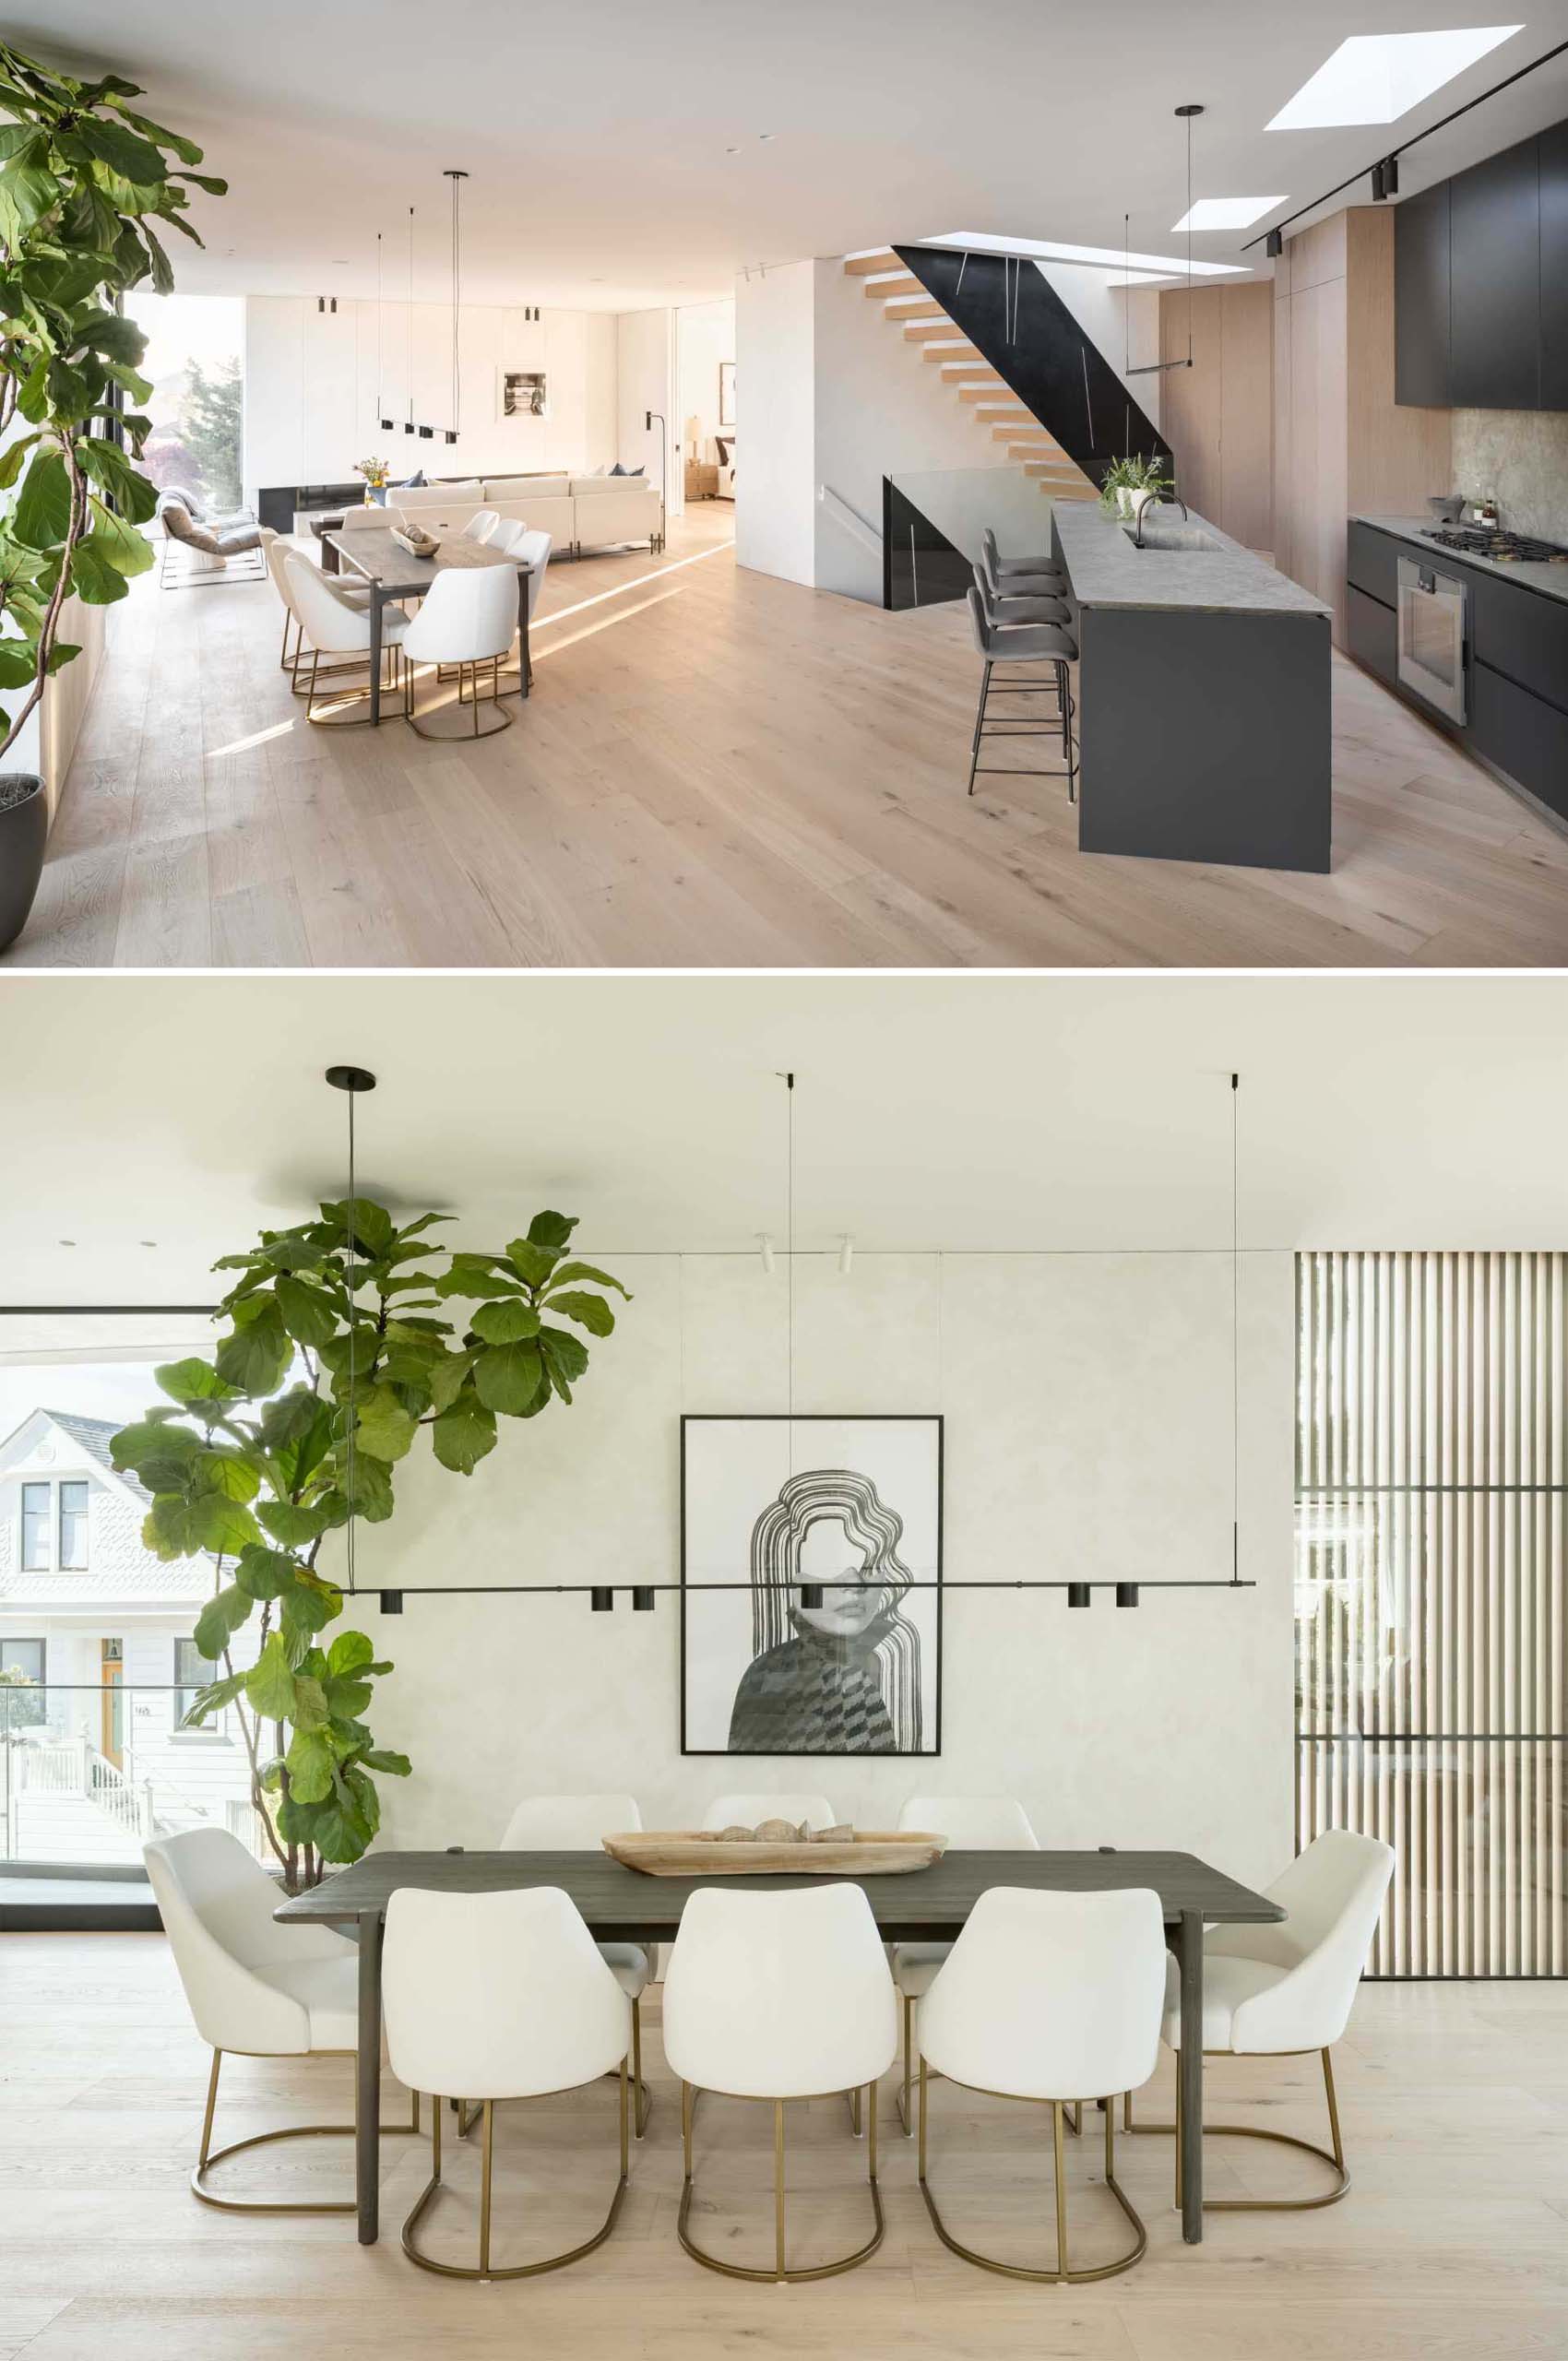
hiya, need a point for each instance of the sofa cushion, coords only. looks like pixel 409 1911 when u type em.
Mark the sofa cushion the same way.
pixel 608 487
pixel 496 488
pixel 453 495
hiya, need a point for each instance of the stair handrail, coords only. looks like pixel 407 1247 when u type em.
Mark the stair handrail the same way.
pixel 849 520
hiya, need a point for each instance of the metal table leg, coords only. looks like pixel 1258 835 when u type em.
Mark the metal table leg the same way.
pixel 1189 2066
pixel 525 666
pixel 367 2145
pixel 377 603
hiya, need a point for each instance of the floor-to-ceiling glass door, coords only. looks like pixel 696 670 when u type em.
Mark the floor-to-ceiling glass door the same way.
pixel 1432 1640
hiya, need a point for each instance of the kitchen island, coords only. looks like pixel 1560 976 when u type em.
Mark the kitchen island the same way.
pixel 1204 717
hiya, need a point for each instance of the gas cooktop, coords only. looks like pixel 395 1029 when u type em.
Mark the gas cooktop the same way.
pixel 1502 549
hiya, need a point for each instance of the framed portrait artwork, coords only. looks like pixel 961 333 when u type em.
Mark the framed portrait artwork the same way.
pixel 772 1507
pixel 726 393
pixel 524 393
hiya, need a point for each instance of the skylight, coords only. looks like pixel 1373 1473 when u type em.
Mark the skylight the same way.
pixel 1226 213
pixel 1376 77
pixel 981 242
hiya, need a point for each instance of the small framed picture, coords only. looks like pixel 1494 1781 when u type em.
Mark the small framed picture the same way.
pixel 844 1513
pixel 525 392
pixel 726 393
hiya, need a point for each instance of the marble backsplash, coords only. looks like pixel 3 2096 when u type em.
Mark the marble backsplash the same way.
pixel 1521 458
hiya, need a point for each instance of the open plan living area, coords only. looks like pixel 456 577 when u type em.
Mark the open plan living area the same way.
pixel 645 531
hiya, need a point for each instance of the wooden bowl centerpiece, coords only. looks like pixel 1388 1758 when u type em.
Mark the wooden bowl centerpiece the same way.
pixel 776 1849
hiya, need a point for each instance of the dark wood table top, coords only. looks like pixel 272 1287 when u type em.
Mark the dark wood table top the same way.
pixel 626 1906
pixel 372 550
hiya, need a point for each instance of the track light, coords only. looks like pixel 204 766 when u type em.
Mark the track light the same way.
pixel 601 1598
pixel 386 425
pixel 845 1256
pixel 391 1602
pixel 765 1244
pixel 1274 244
pixel 810 1593
pixel 1386 179
pixel 642 1598
pixel 1126 1594
pixel 1077 1594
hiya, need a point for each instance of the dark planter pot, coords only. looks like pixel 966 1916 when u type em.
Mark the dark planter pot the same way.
pixel 24 825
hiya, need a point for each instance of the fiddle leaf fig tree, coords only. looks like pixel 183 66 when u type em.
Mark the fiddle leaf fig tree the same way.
pixel 83 178
pixel 257 1472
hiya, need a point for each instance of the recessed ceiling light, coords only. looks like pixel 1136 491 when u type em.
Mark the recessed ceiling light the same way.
pixel 765 134
pixel 1226 213
pixel 732 151
pixel 65 1241
pixel 980 242
pixel 1376 77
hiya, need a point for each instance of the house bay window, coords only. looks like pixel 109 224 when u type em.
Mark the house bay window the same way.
pixel 35 1529
pixel 73 1527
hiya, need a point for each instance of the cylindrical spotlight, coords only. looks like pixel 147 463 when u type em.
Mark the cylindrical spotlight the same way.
pixel 810 1593
pixel 1077 1594
pixel 391 1602
pixel 1126 1594
pixel 1274 244
pixel 601 1598
pixel 642 1598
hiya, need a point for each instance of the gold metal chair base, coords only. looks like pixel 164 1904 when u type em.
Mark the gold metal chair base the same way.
pixel 209 2156
pixel 357 693
pixel 1334 2158
pixel 903 2101
pixel 1063 2275
pixel 457 736
pixel 515 2270
pixel 780 2275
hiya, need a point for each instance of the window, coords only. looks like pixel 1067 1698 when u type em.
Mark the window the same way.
pixel 21 1675
pixel 35 1529
pixel 194 1671
pixel 73 1527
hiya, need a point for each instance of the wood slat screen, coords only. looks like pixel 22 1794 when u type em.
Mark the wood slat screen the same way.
pixel 1431 1647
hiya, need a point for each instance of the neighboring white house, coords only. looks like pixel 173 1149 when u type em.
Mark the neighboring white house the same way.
pixel 101 1628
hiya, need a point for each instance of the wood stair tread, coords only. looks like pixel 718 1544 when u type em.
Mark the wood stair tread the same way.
pixel 865 265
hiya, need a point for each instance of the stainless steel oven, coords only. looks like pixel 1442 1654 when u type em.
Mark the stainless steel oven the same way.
pixel 1433 636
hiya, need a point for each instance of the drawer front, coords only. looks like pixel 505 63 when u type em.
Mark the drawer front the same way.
pixel 1522 735
pixel 1371 633
pixel 1520 633
pixel 1371 559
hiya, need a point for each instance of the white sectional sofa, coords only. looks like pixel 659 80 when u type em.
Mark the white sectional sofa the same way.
pixel 579 512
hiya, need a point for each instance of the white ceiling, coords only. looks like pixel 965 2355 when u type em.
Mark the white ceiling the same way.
pixel 596 135
pixel 976 1112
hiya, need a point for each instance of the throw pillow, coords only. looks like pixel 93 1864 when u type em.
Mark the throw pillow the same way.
pixel 617 469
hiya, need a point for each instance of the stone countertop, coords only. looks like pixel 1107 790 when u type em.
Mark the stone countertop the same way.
pixel 1553 580
pixel 1107 570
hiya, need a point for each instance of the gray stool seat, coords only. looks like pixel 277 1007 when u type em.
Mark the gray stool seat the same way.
pixel 1031 644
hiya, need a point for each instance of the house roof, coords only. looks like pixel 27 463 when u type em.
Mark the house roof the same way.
pixel 95 1436
pixel 123 1574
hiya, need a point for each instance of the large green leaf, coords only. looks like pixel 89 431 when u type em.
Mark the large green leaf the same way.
pixel 178 1528
pixel 219 1621
pixel 263 1573
pixel 462 1435
pixel 116 542
pixel 293 1523
pixel 192 1380
pixel 351 1652
pixel 553 1231
pixel 305 1606
pixel 508 1377
pixel 309 1762
pixel 309 1312
pixel 255 1355
pixel 532 1263
pixel 151 1439
pixel 380 1758
pixel 369 1225
pixel 212 1700
pixel 94 580
pixel 27 193
pixel 310 1701
pixel 41 517
pixel 565 1355
pixel 507 1322
pixel 270 1684
pixel 383 1428
pixel 587 1270
pixel 590 1311
pixel 223 1469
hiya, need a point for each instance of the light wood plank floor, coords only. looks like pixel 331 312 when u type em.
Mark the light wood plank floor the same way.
pixel 717 769
pixel 1453 2245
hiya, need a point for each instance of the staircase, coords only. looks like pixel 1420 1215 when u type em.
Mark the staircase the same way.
pixel 1000 416
pixel 58 1827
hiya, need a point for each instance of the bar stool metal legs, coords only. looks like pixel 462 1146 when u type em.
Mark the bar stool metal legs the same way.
pixel 1062 2275
pixel 781 2274
pixel 208 2156
pixel 1333 2156
pixel 1023 725
pixel 485 2269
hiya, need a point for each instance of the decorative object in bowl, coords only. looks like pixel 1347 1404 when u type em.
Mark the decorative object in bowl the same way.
pixel 418 544
pixel 776 1849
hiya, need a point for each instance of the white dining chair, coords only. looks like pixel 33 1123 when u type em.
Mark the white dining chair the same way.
pixel 256 1989
pixel 1282 1990
pixel 482 524
pixel 1053 1998
pixel 777 1997
pixel 499 1996
pixel 369 516
pixel 749 1812
pixel 467 619
pixel 508 533
pixel 971 1825
pixel 278 549
pixel 579 1824
pixel 333 623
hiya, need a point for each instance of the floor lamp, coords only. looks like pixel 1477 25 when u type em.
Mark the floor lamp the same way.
pixel 648 417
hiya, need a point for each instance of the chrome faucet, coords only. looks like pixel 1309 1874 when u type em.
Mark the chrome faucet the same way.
pixel 1157 500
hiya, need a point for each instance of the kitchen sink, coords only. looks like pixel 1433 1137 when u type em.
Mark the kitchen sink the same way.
pixel 1188 538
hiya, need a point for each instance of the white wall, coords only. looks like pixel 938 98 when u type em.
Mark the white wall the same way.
pixel 704 338
pixel 775 422
pixel 646 380
pixel 316 384
pixel 1088 1401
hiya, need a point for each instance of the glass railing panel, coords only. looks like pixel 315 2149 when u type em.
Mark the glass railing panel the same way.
pixel 934 520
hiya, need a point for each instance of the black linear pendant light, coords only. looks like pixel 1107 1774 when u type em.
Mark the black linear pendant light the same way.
pixel 1155 368
pixel 456 178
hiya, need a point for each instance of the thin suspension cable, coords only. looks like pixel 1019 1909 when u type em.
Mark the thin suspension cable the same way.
pixel 1189 242
pixel 378 263
pixel 353 1324
pixel 1235 1328
pixel 789 1251
pixel 410 319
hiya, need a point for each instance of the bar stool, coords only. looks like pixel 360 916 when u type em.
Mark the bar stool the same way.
pixel 1007 644
pixel 778 1997
pixel 1004 572
pixel 1052 1997
pixel 1014 607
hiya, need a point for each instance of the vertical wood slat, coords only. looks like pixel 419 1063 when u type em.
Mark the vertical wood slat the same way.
pixel 1431 1629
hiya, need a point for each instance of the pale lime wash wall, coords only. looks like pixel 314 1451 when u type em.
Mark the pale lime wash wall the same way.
pixel 1087 1400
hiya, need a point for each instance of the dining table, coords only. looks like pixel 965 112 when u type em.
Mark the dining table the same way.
pixel 625 1905
pixel 375 553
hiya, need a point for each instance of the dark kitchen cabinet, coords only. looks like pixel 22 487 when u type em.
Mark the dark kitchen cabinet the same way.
pixel 1421 293
pixel 1495 301
pixel 1371 634
pixel 1521 734
pixel 1553 146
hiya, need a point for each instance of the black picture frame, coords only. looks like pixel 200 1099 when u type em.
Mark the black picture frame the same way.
pixel 937 1423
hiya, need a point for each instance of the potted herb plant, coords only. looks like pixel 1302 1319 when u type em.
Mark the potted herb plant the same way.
pixel 83 177
pixel 256 1473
